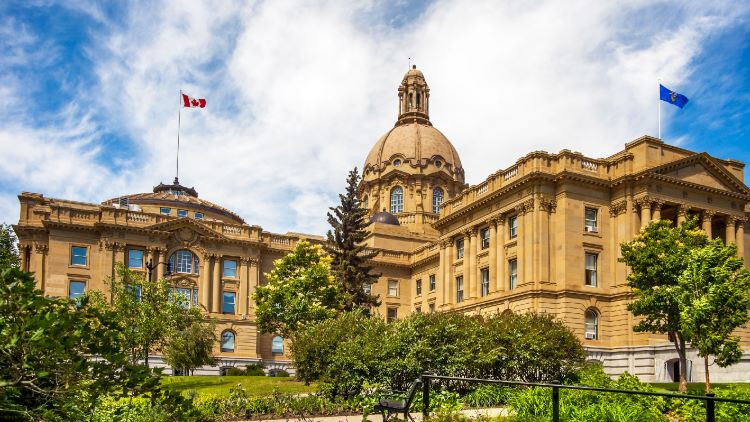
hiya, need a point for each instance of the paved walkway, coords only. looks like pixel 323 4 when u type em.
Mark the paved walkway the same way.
pixel 472 413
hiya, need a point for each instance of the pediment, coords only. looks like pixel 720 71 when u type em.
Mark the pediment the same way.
pixel 703 170
pixel 186 229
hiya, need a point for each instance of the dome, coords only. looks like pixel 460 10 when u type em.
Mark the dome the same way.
pixel 384 218
pixel 418 145
pixel 178 196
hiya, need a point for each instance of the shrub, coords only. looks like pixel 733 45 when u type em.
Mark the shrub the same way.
pixel 254 370
pixel 233 372
pixel 281 373
pixel 695 410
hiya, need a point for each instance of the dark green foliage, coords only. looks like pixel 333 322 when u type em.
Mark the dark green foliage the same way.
pixel 191 347
pixel 253 370
pixel 354 351
pixel 8 251
pixel 345 245
pixel 281 373
pixel 45 348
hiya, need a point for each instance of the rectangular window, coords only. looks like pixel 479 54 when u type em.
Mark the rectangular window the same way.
pixel 182 213
pixel 459 248
pixel 165 210
pixel 459 289
pixel 419 287
pixel 418 309
pixel 136 290
pixel 367 288
pixel 76 289
pixel 513 226
pixel 135 258
pixel 198 215
pixel 591 261
pixel 227 306
pixel 485 277
pixel 183 295
pixel 392 314
pixel 484 234
pixel 79 255
pixel 393 288
pixel 230 268
pixel 513 273
pixel 432 282
pixel 591 217
pixel 432 308
pixel 195 297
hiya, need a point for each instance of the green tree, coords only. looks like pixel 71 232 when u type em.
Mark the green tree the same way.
pixel 300 290
pixel 8 250
pixel 657 257
pixel 191 347
pixel 713 303
pixel 148 312
pixel 46 344
pixel 345 245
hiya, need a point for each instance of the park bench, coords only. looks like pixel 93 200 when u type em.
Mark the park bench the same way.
pixel 396 402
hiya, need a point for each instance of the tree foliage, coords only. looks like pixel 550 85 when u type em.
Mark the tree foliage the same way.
pixel 300 291
pixel 148 313
pixel 8 250
pixel 355 350
pixel 713 301
pixel 191 347
pixel 657 257
pixel 46 344
pixel 345 245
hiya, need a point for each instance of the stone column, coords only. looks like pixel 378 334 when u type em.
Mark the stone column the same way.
pixel 204 290
pixel 645 212
pixel 37 265
pixel 244 291
pixel 440 276
pixel 466 263
pixel 547 207
pixel 160 259
pixel 731 229
pixel 500 254
pixel 493 254
pixel 473 276
pixel 682 214
pixel 22 249
pixel 448 272
pixel 706 222
pixel 216 285
pixel 741 238
pixel 656 216
pixel 253 281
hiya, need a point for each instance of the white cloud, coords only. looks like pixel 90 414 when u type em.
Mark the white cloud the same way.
pixel 298 93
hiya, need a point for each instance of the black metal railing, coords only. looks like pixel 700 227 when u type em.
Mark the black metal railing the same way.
pixel 709 398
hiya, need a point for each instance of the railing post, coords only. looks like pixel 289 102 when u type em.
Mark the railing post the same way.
pixel 425 396
pixel 555 401
pixel 710 408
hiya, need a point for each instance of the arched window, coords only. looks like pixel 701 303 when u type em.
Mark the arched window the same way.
pixel 591 325
pixel 227 341
pixel 397 200
pixel 277 345
pixel 437 200
pixel 184 262
pixel 411 100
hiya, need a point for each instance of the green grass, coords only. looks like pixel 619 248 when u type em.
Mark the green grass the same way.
pixel 697 387
pixel 255 386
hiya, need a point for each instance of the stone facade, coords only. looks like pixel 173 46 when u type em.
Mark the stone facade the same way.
pixel 542 235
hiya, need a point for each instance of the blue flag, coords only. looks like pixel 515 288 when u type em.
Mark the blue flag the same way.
pixel 672 97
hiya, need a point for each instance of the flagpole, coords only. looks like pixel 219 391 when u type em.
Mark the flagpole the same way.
pixel 659 100
pixel 179 109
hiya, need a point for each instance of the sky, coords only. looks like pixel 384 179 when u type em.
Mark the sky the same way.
pixel 299 91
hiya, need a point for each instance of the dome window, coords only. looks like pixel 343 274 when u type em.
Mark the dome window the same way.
pixel 397 200
pixel 437 200
pixel 438 163
pixel 397 162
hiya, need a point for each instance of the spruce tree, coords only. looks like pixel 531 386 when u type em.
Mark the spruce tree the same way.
pixel 346 247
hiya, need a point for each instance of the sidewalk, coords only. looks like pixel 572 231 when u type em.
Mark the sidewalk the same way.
pixel 472 413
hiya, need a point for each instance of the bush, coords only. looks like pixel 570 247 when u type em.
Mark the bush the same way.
pixel 695 410
pixel 354 350
pixel 281 373
pixel 254 370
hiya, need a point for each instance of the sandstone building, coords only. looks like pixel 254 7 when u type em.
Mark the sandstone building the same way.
pixel 542 235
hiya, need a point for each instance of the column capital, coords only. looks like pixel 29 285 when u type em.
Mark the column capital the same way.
pixel 732 219
pixel 41 248
pixel 658 203
pixel 617 208
pixel 707 214
pixel 682 209
pixel 644 201
pixel 547 204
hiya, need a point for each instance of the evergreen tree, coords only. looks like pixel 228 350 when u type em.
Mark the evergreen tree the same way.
pixel 8 250
pixel 345 245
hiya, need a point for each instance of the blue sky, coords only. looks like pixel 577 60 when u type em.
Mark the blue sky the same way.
pixel 298 92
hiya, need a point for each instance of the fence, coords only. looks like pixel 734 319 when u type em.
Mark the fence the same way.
pixel 556 386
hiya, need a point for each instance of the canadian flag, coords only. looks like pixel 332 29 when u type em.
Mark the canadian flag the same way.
pixel 188 101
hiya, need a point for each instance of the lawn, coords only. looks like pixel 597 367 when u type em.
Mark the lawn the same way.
pixel 698 387
pixel 255 386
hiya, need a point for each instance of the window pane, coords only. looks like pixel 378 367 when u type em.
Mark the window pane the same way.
pixel 459 289
pixel 513 226
pixel 78 255
pixel 367 288
pixel 432 307
pixel 182 295
pixel 392 314
pixel 591 261
pixel 136 290
pixel 135 258
pixel 513 273
pixel 591 325
pixel 432 282
pixel 459 248
pixel 485 274
pixel 227 341
pixel 485 235
pixel 165 210
pixel 195 297
pixel 182 213
pixel 230 268
pixel 228 305
pixel 184 262
pixel 591 219
pixel 419 287
pixel 397 200
pixel 277 345
pixel 392 288
pixel 76 289
pixel 437 200
pixel 198 215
